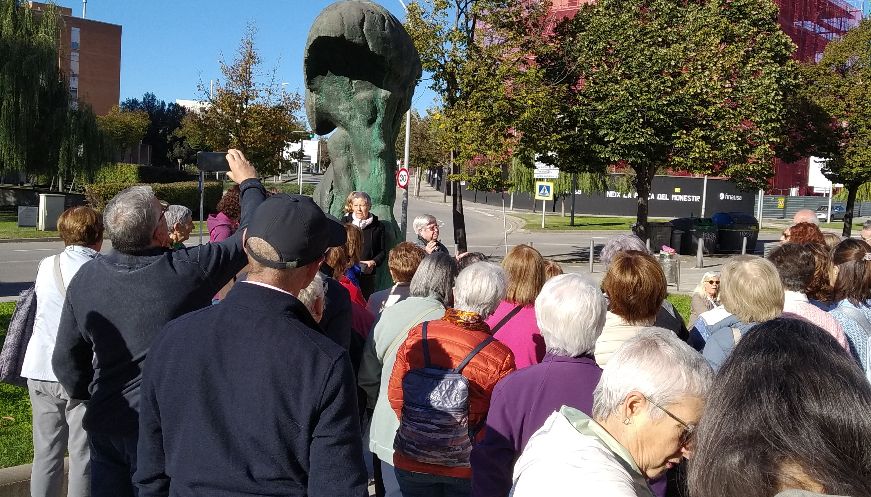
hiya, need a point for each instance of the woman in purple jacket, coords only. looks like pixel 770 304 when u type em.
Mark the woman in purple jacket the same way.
pixel 570 311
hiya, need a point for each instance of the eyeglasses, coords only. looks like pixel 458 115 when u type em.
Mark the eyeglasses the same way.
pixel 713 282
pixel 689 430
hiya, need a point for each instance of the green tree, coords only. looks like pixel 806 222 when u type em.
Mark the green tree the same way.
pixel 696 86
pixel 164 119
pixel 840 84
pixel 33 96
pixel 123 128
pixel 245 112
pixel 478 54
pixel 83 145
pixel 426 150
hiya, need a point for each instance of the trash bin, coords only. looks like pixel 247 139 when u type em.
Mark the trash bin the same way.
pixel 670 264
pixel 730 238
pixel 704 232
pixel 676 240
pixel 659 235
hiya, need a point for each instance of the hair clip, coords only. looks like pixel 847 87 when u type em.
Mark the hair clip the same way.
pixel 867 256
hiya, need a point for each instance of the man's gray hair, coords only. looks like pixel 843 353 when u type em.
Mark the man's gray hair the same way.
pixel 314 291
pixel 422 221
pixel 434 278
pixel 655 363
pixel 177 214
pixel 131 218
pixel 570 311
pixel 621 243
pixel 805 216
pixel 480 288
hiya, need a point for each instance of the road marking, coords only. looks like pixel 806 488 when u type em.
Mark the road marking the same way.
pixel 19 262
pixel 34 250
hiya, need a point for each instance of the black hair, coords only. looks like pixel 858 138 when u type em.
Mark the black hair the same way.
pixel 795 264
pixel 788 398
pixel 470 258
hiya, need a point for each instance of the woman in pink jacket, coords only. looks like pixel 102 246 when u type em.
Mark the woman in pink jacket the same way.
pixel 513 323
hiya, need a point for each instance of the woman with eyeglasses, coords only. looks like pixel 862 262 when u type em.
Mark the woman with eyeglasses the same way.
pixel 787 417
pixel 706 296
pixel 374 251
pixel 645 408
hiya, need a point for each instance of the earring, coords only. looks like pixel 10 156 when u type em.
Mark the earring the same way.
pixel 626 421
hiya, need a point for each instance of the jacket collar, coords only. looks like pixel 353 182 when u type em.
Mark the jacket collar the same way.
pixel 584 359
pixel 137 258
pixel 265 300
pixel 587 426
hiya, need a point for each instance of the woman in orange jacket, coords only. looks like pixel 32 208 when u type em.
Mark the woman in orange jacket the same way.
pixel 477 291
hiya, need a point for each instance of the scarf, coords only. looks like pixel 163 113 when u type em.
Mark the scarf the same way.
pixel 362 223
pixel 466 319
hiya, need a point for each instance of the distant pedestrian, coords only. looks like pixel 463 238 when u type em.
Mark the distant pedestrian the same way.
pixel 805 216
pixel 57 418
pixel 272 408
pixel 706 295
pixel 427 229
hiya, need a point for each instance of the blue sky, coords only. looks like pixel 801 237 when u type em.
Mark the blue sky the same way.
pixel 168 47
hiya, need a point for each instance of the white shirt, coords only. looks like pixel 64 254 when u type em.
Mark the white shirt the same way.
pixel 573 455
pixel 49 304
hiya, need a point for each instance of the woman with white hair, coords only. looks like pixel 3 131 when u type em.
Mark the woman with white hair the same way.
pixel 645 409
pixel 752 293
pixel 706 295
pixel 462 336
pixel 570 311
pixel 427 229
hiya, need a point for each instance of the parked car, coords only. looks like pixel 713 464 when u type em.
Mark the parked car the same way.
pixel 837 212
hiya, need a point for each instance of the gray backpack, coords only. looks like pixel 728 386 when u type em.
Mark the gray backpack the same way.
pixel 434 426
pixel 17 337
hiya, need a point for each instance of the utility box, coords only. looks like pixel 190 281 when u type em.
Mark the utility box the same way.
pixel 27 216
pixel 51 206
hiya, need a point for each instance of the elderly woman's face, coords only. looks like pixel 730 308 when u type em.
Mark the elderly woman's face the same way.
pixel 658 437
pixel 712 286
pixel 360 208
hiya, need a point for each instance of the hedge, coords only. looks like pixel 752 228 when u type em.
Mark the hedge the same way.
pixel 307 188
pixel 138 173
pixel 182 193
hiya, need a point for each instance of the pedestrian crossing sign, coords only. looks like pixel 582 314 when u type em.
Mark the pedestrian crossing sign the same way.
pixel 543 190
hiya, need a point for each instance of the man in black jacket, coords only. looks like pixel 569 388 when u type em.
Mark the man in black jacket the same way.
pixel 117 303
pixel 246 397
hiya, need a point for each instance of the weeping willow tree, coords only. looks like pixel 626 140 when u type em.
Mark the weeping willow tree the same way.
pixel 33 96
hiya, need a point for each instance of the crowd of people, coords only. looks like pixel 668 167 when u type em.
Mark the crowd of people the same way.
pixel 268 362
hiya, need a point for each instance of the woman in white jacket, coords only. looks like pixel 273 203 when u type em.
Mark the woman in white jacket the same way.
pixel 645 409
pixel 57 419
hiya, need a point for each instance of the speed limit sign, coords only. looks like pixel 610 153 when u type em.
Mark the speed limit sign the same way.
pixel 402 178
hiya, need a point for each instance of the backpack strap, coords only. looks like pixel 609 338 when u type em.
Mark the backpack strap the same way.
pixel 506 318
pixel 58 277
pixel 472 354
pixel 425 345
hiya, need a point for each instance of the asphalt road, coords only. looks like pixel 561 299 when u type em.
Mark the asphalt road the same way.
pixel 484 227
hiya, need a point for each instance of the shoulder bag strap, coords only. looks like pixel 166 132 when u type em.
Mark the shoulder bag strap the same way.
pixel 859 317
pixel 58 277
pixel 506 318
pixel 472 354
pixel 404 334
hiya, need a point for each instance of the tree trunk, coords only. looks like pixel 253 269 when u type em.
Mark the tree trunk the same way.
pixel 643 180
pixel 852 190
pixel 457 211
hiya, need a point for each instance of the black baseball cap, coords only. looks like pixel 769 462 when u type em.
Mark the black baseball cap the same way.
pixel 296 228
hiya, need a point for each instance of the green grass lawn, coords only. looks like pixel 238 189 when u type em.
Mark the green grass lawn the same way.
pixel 682 305
pixel 16 444
pixel 9 228
pixel 556 222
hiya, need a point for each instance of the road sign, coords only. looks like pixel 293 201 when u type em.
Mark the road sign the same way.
pixel 543 190
pixel 543 171
pixel 402 178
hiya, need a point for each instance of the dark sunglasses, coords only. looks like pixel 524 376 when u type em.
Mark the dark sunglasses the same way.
pixel 713 282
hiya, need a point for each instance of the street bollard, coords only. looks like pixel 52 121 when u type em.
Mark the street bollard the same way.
pixel 648 244
pixel 591 255
pixel 677 281
pixel 700 254
pixel 744 246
